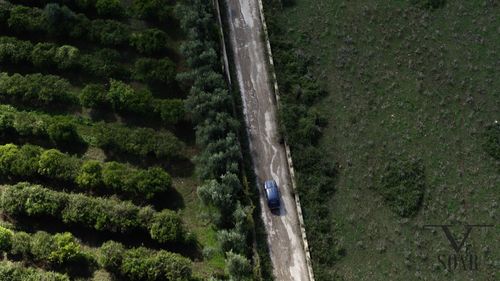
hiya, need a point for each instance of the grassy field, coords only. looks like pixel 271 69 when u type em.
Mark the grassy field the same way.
pixel 406 81
pixel 207 259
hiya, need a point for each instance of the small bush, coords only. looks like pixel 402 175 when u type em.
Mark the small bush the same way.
pixel 150 41
pixel 166 227
pixel 154 71
pixel 402 184
pixel 6 236
pixel 110 8
pixel 492 140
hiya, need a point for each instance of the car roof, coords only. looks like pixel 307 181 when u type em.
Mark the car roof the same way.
pixel 270 183
pixel 272 194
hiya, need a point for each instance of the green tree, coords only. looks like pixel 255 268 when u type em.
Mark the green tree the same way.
pixel 6 236
pixel 90 175
pixel 67 250
pixel 64 134
pixel 149 41
pixel 94 96
pixel 166 227
pixel 110 8
pixel 155 71
pixel 111 255
pixel 238 267
pixel 55 164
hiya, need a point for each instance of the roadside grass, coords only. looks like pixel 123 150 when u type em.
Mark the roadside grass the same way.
pixel 414 83
pixel 194 216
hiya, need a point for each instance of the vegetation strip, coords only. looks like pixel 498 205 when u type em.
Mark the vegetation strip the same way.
pixel 29 161
pixel 24 199
pixel 71 134
pixel 62 251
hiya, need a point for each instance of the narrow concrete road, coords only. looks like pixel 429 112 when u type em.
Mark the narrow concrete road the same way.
pixel 284 236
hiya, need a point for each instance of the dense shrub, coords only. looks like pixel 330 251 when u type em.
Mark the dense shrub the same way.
pixel 26 19
pixel 64 134
pixel 16 272
pixel 60 21
pixel 492 140
pixel 166 226
pixel 157 10
pixel 109 32
pixel 5 239
pixel 90 175
pixel 30 162
pixel 21 245
pixel 141 264
pixel 15 51
pixel 97 213
pixel 238 267
pixel 35 88
pixel 58 18
pixel 402 184
pixel 111 255
pixel 60 249
pixel 124 98
pixel 154 71
pixel 101 63
pixel 171 111
pixel 110 8
pixel 104 63
pixel 94 96
pixel 57 165
pixel 149 42
pixel 138 141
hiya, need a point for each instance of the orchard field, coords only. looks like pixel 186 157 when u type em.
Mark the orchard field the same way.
pixel 398 102
pixel 119 155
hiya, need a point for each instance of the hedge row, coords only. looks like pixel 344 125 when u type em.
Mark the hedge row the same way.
pixel 35 89
pixel 68 132
pixel 47 56
pixel 211 106
pixel 49 251
pixel 10 271
pixel 63 250
pixel 24 199
pixel 60 21
pixel 123 98
pixel 142 264
pixel 101 63
pixel 29 162
pixel 47 90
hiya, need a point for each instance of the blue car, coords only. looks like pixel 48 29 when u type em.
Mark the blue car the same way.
pixel 272 194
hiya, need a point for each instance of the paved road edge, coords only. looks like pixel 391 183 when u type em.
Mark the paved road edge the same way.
pixel 269 54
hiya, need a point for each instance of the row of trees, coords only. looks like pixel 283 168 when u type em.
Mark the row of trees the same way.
pixel 59 21
pixel 10 271
pixel 102 214
pixel 101 63
pixel 45 90
pixel 36 89
pixel 153 10
pixel 142 264
pixel 50 251
pixel 211 106
pixel 31 162
pixel 50 56
pixel 62 250
pixel 68 133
